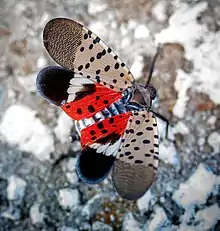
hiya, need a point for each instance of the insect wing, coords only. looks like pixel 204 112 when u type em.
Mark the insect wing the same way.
pixel 75 47
pixel 52 82
pixel 137 159
pixel 97 99
pixel 105 128
pixel 100 143
pixel 78 96
pixel 93 167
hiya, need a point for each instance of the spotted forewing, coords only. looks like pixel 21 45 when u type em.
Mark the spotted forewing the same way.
pixel 75 47
pixel 137 157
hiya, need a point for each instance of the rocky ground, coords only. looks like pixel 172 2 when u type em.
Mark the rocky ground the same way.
pixel 34 134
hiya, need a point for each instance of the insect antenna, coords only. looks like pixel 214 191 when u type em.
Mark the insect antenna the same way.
pixel 152 66
pixel 148 81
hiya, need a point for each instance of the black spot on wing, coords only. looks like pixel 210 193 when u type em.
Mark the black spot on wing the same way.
pixel 52 83
pixel 93 167
pixel 91 109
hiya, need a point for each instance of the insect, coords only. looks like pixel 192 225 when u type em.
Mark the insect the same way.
pixel 96 89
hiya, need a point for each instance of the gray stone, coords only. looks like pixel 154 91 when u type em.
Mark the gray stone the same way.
pixel 99 226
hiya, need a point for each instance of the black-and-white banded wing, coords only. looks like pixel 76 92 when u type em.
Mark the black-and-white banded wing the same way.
pixel 137 159
pixel 58 85
pixel 75 47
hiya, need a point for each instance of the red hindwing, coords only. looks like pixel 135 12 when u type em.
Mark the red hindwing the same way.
pixel 91 103
pixel 114 125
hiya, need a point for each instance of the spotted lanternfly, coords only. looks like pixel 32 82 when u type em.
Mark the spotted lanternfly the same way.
pixel 96 89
